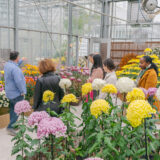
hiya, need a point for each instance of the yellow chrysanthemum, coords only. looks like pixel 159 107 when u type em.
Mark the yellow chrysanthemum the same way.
pixel 154 56
pixel 63 59
pixel 148 50
pixel 135 94
pixel 109 88
pixel 137 111
pixel 48 96
pixel 140 56
pixel 98 107
pixel 134 61
pixel 2 72
pixel 86 88
pixel 69 98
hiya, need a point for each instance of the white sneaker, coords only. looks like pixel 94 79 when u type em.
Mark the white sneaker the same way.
pixel 11 132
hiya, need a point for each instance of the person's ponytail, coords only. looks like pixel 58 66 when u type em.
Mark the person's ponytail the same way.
pixel 154 66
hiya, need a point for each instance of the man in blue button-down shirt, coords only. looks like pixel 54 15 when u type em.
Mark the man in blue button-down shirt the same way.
pixel 15 86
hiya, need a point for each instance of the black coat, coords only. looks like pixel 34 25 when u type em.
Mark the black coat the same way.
pixel 49 81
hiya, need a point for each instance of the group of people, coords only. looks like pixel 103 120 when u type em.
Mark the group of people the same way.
pixel 15 86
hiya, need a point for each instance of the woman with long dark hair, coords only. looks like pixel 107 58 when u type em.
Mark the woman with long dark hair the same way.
pixel 148 75
pixel 97 68
pixel 96 72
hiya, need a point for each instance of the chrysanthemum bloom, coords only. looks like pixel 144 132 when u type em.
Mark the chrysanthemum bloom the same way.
pixel 152 91
pixel 86 88
pixel 48 96
pixel 65 83
pixel 51 125
pixel 109 88
pixel 98 107
pixel 22 107
pixel 98 84
pixel 125 85
pixel 36 117
pixel 135 94
pixel 137 111
pixel 148 50
pixel 144 91
pixel 69 98
pixel 158 93
pixel 94 158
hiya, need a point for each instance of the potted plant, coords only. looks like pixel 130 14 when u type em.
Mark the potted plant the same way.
pixel 4 109
pixel 78 76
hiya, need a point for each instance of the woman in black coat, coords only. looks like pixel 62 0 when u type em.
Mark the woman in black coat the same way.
pixel 48 81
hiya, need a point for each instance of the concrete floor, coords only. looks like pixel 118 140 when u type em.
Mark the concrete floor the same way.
pixel 6 144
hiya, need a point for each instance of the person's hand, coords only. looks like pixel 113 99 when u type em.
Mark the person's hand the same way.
pixel 24 58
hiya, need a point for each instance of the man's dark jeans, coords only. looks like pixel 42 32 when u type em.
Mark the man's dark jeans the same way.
pixel 13 115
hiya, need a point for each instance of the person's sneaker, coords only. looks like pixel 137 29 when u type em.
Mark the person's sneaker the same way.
pixel 11 131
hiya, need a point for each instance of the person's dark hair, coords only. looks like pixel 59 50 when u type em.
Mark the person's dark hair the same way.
pixel 90 55
pixel 97 62
pixel 13 55
pixel 148 59
pixel 109 64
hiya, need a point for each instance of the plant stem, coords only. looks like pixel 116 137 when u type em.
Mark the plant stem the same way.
pixel 146 145
pixel 51 138
pixel 122 110
pixel 39 148
pixel 23 134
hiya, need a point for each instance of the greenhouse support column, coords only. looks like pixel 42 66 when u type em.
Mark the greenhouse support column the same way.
pixel 16 4
pixel 69 34
pixel 105 30
pixel 105 19
pixel 77 50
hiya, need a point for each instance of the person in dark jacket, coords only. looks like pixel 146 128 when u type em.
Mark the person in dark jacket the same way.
pixel 48 81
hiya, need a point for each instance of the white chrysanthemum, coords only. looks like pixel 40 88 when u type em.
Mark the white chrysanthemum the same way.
pixel 158 93
pixel 6 105
pixel 98 84
pixel 125 85
pixel 65 83
pixel 4 102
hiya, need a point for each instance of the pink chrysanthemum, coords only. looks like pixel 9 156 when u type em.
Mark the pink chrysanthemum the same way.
pixel 94 158
pixel 152 91
pixel 52 126
pixel 36 117
pixel 22 107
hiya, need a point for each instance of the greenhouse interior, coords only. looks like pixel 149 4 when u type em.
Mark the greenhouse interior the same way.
pixel 80 79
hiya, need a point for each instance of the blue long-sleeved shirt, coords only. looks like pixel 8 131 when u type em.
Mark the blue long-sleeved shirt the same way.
pixel 15 84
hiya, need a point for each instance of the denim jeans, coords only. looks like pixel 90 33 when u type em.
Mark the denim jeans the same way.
pixel 13 115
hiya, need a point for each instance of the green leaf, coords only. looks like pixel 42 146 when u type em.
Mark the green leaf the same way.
pixel 100 137
pixel 140 152
pixel 94 146
pixel 110 145
pixel 54 114
pixel 35 142
pixel 15 150
pixel 150 135
pixel 19 157
pixel 28 137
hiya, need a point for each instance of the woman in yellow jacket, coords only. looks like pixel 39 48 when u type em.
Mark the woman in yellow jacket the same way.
pixel 148 75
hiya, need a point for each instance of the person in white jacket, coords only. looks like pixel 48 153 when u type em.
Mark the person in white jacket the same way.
pixel 110 78
pixel 109 68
